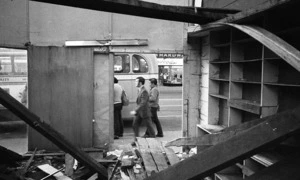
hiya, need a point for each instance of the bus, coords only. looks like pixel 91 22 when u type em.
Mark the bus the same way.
pixel 13 77
pixel 127 67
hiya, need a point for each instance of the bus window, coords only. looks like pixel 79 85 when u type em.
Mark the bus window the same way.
pixel 5 66
pixel 121 64
pixel 139 64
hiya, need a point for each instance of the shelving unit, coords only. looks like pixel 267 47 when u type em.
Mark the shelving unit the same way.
pixel 247 81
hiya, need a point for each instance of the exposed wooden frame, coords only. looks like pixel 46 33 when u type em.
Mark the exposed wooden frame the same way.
pixel 47 131
pixel 212 139
pixel 283 49
pixel 147 9
pixel 199 31
pixel 272 130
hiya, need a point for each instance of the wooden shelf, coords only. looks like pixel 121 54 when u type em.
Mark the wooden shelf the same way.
pixel 245 40
pixel 281 84
pixel 247 61
pixel 219 62
pixel 221 45
pixel 218 79
pixel 266 159
pixel 272 59
pixel 210 129
pixel 219 96
pixel 245 105
pixel 220 176
pixel 246 82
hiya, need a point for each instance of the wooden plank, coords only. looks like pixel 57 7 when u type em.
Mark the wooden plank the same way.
pixel 285 169
pixel 245 105
pixel 247 171
pixel 173 158
pixel 147 9
pixel 47 131
pixel 148 160
pixel 228 176
pixel 271 131
pixel 24 171
pixel 156 152
pixel 51 170
pixel 213 139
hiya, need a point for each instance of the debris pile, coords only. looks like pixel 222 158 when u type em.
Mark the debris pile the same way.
pixel 188 152
pixel 42 165
pixel 128 165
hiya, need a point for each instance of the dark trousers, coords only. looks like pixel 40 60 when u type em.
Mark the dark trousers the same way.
pixel 137 122
pixel 118 122
pixel 155 120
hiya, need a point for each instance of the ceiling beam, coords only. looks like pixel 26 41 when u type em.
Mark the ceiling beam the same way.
pixel 147 9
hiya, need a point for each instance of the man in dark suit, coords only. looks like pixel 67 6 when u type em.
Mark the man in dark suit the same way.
pixel 142 110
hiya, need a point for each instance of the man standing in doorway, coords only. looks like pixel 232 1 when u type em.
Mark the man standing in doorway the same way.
pixel 142 110
pixel 118 122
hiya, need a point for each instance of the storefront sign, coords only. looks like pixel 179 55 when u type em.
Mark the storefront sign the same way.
pixel 169 55
pixel 13 79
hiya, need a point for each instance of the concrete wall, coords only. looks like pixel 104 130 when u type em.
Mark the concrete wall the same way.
pixel 45 24
pixel 54 24
pixel 14 23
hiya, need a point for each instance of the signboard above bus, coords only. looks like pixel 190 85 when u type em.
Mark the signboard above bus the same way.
pixel 169 55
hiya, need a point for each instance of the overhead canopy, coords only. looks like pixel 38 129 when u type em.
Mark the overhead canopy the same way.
pixel 150 10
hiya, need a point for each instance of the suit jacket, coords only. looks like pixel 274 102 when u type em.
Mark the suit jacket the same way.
pixel 142 101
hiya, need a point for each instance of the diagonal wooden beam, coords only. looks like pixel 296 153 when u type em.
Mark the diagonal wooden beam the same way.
pixel 34 121
pixel 147 9
pixel 285 169
pixel 213 139
pixel 273 130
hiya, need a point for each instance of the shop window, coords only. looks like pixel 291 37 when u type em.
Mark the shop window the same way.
pixel 121 64
pixel 139 64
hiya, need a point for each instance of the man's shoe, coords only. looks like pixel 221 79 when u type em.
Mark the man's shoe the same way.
pixel 159 135
pixel 116 137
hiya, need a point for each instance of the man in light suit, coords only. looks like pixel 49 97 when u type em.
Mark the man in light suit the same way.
pixel 142 110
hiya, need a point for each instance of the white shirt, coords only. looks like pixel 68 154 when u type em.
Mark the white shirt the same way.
pixel 117 93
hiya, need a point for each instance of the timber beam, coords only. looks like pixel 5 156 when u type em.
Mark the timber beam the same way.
pixel 271 131
pixel 51 134
pixel 147 9
pixel 212 139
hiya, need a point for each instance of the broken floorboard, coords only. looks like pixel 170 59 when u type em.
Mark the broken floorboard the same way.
pixel 46 130
pixel 152 154
pixel 155 157
pixel 271 131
